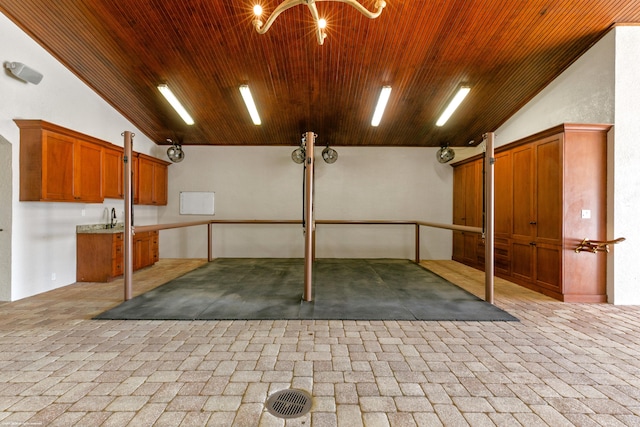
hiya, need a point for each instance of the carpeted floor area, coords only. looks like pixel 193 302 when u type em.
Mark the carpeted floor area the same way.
pixel 345 289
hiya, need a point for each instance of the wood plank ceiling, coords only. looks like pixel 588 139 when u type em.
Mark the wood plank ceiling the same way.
pixel 506 50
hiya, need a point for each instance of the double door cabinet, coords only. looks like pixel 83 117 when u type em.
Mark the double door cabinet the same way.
pixel 550 194
pixel 61 165
pixel 100 256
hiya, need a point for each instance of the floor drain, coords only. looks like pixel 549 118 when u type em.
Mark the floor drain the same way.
pixel 289 403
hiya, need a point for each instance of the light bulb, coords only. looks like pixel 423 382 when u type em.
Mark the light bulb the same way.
pixel 322 23
pixel 257 10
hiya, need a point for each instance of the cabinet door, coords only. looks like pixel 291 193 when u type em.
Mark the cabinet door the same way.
pixel 548 190
pixel 548 266
pixel 459 195
pixel 145 181
pixel 88 172
pixel 57 167
pixel 522 168
pixel 160 178
pixel 503 195
pixel 113 174
pixel 522 259
pixel 473 194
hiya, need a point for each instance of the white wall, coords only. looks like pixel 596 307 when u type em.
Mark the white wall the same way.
pixel 624 162
pixel 602 86
pixel 43 234
pixel 264 183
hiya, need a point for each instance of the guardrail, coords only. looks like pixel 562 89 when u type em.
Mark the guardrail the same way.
pixel 211 223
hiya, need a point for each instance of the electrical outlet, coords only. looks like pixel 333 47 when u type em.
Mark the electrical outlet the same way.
pixel 83 212
pixel 586 213
pixel 53 276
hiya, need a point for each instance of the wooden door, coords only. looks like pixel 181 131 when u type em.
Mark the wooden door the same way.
pixel 548 190
pixel 57 167
pixel 113 174
pixel 88 172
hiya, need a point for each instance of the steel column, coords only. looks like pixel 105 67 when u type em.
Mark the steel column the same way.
pixel 489 216
pixel 128 216
pixel 309 218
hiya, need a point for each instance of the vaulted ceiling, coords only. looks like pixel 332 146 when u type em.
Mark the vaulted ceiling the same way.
pixel 505 50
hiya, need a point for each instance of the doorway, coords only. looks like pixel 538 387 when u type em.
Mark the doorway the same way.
pixel 6 182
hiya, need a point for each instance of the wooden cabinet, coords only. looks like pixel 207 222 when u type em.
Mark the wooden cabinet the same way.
pixel 151 183
pixel 61 165
pixel 543 184
pixel 145 249
pixel 113 174
pixel 467 210
pixel 100 256
pixel 56 166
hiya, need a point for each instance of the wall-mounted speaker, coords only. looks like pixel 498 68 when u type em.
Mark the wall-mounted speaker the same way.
pixel 23 72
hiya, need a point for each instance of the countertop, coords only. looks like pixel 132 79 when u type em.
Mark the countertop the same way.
pixel 99 229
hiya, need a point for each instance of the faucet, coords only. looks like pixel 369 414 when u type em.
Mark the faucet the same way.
pixel 113 217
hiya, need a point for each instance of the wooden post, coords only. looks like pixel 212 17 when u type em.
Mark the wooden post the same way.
pixel 128 216
pixel 309 218
pixel 489 217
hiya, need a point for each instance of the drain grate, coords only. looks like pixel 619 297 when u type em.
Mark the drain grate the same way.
pixel 289 403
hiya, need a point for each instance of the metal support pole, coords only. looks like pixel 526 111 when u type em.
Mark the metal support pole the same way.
pixel 309 218
pixel 489 217
pixel 417 243
pixel 210 242
pixel 128 216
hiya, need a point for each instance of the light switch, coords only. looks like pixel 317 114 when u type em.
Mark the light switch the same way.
pixel 586 213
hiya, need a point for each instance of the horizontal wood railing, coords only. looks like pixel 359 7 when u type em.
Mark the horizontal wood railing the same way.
pixel 210 223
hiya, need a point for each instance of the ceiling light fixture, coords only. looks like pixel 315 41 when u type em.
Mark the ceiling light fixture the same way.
pixel 171 98
pixel 263 27
pixel 382 104
pixel 455 103
pixel 251 106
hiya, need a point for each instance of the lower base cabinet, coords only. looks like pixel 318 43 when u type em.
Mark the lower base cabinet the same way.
pixel 100 256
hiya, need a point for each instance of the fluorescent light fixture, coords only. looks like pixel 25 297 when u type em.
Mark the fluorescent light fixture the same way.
pixel 382 103
pixel 166 92
pixel 455 103
pixel 251 106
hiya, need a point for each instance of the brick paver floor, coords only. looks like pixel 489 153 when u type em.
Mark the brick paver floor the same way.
pixel 561 365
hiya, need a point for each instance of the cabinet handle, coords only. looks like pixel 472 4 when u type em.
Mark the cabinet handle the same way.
pixel 532 243
pixel 532 222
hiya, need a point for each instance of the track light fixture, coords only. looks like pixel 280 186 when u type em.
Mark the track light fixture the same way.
pixel 329 155
pixel 321 23
pixel 175 153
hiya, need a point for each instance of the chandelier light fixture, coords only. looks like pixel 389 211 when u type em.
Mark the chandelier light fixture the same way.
pixel 321 23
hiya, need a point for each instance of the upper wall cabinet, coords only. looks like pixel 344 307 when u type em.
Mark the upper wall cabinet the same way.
pixel 151 184
pixel 57 166
pixel 61 165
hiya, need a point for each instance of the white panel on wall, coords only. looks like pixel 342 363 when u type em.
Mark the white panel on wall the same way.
pixel 197 203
